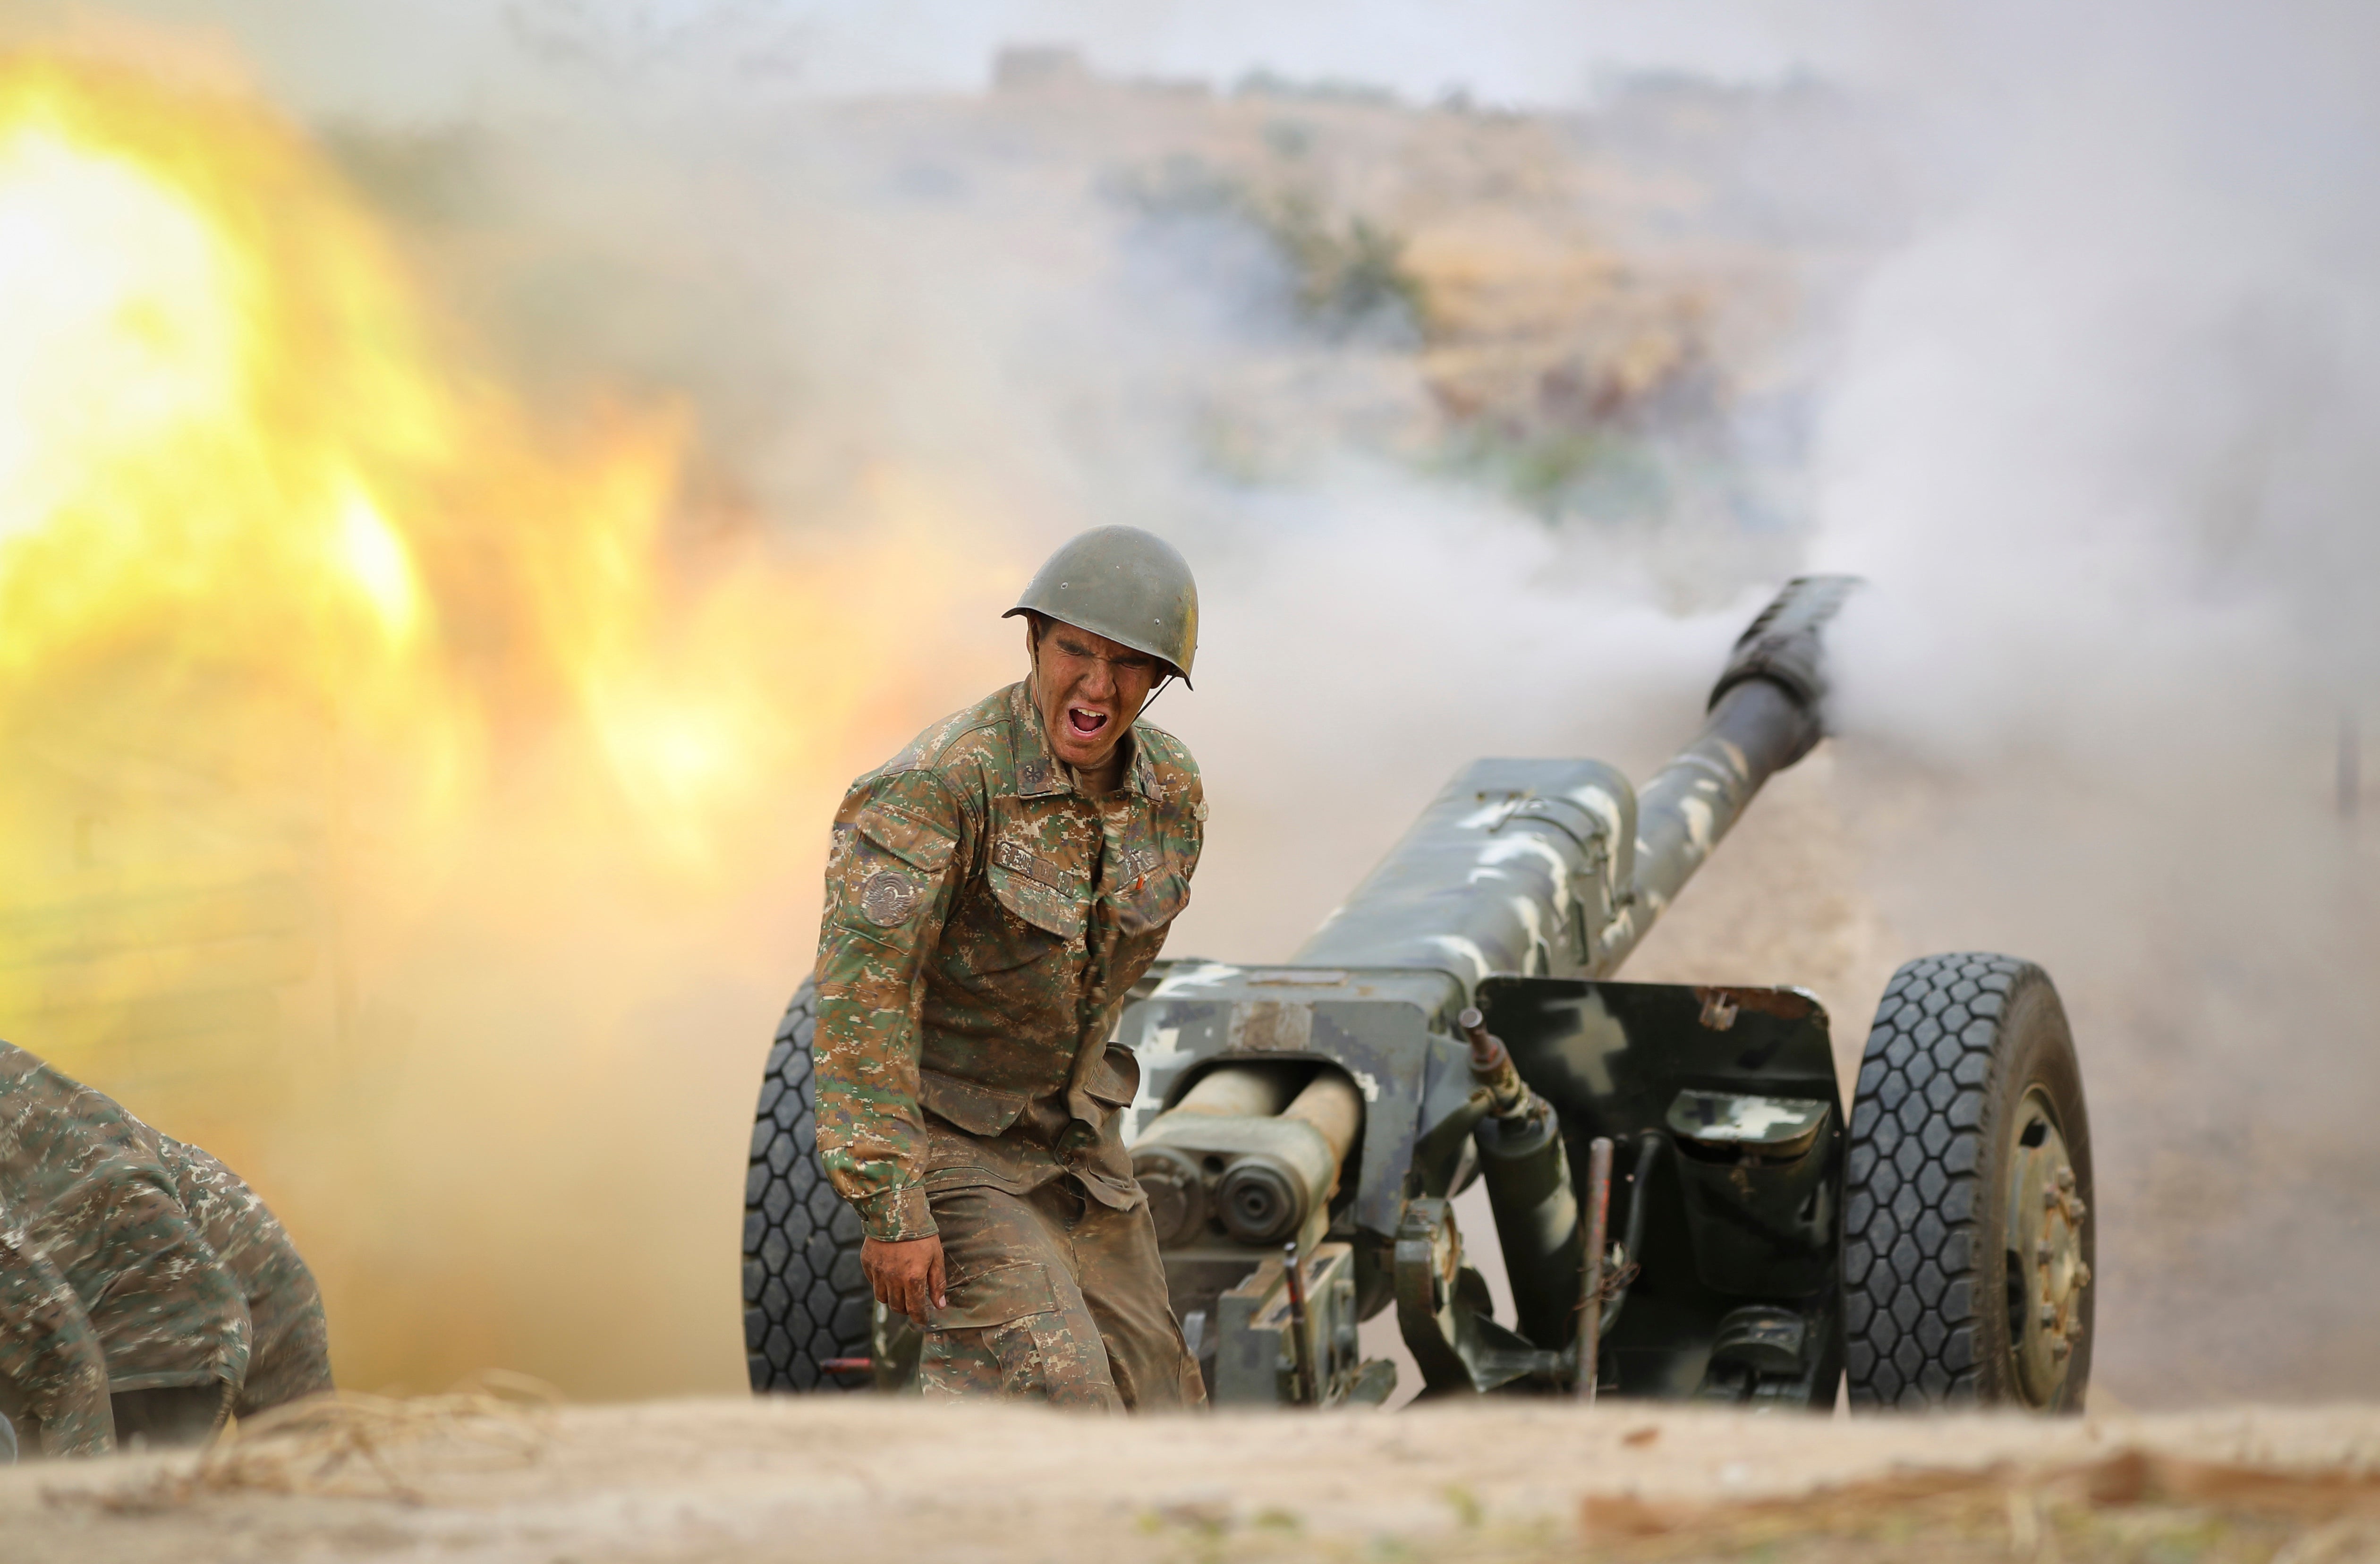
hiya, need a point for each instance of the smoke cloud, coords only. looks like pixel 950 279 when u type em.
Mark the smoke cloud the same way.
pixel 2094 434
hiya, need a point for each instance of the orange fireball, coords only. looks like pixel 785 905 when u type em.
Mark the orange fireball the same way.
pixel 375 756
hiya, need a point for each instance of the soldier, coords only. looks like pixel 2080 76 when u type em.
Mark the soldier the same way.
pixel 993 893
pixel 144 1289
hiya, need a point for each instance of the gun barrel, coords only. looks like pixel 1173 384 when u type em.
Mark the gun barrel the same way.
pixel 1767 711
pixel 1692 802
pixel 1558 867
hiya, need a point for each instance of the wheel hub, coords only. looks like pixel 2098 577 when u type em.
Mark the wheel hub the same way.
pixel 2045 1272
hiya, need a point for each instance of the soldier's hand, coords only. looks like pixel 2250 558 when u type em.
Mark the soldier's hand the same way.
pixel 907 1275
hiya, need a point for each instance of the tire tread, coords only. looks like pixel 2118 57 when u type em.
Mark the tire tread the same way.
pixel 1911 1169
pixel 805 1300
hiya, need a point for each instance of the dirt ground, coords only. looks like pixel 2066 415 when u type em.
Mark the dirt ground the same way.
pixel 864 1479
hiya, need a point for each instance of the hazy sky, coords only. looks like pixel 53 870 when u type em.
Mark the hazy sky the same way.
pixel 434 58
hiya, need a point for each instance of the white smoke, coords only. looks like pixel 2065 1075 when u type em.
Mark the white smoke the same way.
pixel 2104 417
pixel 2100 436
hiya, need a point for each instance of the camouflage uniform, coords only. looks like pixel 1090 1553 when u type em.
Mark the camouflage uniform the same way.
pixel 135 1273
pixel 984 919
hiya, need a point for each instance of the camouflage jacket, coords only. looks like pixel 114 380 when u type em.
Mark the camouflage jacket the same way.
pixel 983 921
pixel 130 1261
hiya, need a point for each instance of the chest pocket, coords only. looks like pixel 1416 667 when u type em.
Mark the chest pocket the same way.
pixel 1145 906
pixel 1049 898
pixel 1143 884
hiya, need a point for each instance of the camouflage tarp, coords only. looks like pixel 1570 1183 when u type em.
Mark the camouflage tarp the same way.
pixel 130 1262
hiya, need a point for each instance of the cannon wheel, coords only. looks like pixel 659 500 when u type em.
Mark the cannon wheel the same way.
pixel 1967 1248
pixel 805 1303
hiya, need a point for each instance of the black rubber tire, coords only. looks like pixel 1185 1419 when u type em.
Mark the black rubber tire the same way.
pixel 805 1298
pixel 1960 1042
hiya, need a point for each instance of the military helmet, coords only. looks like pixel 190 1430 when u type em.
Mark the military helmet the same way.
pixel 1127 585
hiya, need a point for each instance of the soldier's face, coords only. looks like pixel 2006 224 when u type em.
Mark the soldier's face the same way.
pixel 1090 689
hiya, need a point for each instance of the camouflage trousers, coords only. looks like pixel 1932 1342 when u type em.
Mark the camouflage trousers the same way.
pixel 1056 1298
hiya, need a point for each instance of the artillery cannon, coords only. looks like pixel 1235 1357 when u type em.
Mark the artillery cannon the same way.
pixel 1683 1209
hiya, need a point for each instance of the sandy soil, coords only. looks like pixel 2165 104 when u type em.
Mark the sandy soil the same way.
pixel 731 1480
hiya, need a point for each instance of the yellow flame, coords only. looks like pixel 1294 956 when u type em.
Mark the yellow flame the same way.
pixel 226 434
pixel 375 559
pixel 117 339
pixel 374 758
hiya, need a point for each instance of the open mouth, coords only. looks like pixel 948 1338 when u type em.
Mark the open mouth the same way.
pixel 1084 721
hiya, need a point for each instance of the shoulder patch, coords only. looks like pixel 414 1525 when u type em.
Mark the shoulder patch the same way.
pixel 888 897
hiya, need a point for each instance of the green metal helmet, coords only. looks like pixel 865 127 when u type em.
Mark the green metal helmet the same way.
pixel 1124 583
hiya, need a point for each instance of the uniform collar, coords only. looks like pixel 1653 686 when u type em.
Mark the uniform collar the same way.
pixel 1039 773
pixel 1141 775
